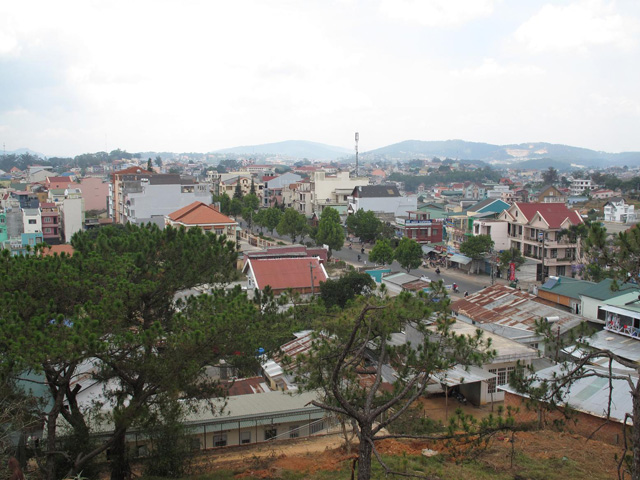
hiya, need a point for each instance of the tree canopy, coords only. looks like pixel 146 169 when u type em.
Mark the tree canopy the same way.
pixel 293 224
pixel 382 252
pixel 365 225
pixel 408 253
pixel 477 248
pixel 330 231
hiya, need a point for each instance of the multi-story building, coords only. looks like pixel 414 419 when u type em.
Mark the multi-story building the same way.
pixel 50 223
pixel 3 227
pixel 143 197
pixel 582 186
pixel 332 190
pixel 617 210
pixel 274 186
pixel 32 220
pixel 540 232
pixel 72 213
pixel 551 194
pixel 382 199
pixel 419 227
pixel 206 217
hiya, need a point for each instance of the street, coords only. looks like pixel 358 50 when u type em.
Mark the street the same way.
pixel 465 282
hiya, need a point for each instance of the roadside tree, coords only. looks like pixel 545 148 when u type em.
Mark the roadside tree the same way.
pixel 408 253
pixel 477 248
pixel 293 224
pixel 330 231
pixel 382 252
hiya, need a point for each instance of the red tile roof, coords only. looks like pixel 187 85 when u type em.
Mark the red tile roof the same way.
pixel 283 273
pixel 199 213
pixel 58 250
pixel 553 213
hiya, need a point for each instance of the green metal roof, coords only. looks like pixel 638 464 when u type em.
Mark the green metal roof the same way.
pixel 602 290
pixel 569 287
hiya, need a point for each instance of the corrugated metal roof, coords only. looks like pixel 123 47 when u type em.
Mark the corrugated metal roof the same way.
pixel 499 304
pixel 566 286
pixel 591 395
pixel 602 290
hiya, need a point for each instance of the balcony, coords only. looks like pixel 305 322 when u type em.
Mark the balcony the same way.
pixel 622 329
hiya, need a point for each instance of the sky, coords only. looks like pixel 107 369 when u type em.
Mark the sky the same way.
pixel 196 76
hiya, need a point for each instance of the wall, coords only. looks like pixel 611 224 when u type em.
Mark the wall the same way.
pixel 160 200
pixel 580 423
pixel 72 217
pixel 590 308
pixel 94 191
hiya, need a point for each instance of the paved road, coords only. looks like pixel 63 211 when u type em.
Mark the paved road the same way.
pixel 466 283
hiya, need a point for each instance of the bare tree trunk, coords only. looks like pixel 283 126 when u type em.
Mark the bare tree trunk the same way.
pixel 120 467
pixel 365 451
pixel 635 436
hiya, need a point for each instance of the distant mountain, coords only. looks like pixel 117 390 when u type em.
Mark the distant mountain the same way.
pixel 21 151
pixel 292 148
pixel 504 154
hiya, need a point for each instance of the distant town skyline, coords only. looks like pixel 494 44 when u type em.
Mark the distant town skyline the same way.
pixel 163 75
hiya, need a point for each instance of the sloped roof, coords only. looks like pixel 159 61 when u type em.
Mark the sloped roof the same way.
pixel 508 307
pixel 198 213
pixel 51 250
pixel 553 213
pixel 377 191
pixel 283 273
pixel 602 290
pixel 568 287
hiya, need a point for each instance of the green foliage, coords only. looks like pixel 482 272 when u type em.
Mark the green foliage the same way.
pixel 550 176
pixel 235 208
pixel 408 253
pixel 237 193
pixel 293 224
pixel 513 255
pixel 477 248
pixel 330 231
pixel 412 182
pixel 382 252
pixel 339 292
pixel 365 225
pixel 170 443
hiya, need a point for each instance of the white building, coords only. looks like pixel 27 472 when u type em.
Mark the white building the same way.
pixel 616 210
pixel 582 186
pixel 72 216
pixel 381 198
pixel 496 229
pixel 32 220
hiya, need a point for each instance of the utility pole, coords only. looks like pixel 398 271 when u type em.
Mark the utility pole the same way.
pixel 311 267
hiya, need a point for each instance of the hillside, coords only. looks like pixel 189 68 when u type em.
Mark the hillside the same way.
pixel 504 154
pixel 293 149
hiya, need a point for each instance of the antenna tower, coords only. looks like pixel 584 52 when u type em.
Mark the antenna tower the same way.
pixel 357 138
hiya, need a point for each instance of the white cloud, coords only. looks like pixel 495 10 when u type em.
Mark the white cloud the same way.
pixel 577 27
pixel 437 13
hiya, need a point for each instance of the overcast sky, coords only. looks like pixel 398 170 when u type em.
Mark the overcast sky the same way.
pixel 195 76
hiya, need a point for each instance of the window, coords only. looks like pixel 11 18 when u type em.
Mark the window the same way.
pixel 47 220
pixel 492 382
pixel 48 230
pixel 294 431
pixel 316 427
pixel 270 433
pixel 220 440
pixel 245 437
pixel 602 315
pixel 434 231
pixel 32 222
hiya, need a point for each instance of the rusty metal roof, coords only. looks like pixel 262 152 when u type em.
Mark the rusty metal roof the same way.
pixel 506 306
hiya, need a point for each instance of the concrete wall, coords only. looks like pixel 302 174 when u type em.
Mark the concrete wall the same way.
pixel 72 217
pixel 161 200
pixel 94 191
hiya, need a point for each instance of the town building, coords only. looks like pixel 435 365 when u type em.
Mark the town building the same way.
pixel 617 210
pixel 513 313
pixel 540 232
pixel 420 227
pixel 564 293
pixel 302 275
pixel 51 223
pixel 551 194
pixel 593 298
pixel 582 186
pixel 206 217
pixel 95 192
pixel 381 199
pixel 272 194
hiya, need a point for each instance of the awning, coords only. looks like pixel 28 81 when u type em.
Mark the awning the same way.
pixel 458 375
pixel 620 311
pixel 456 257
pixel 426 250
